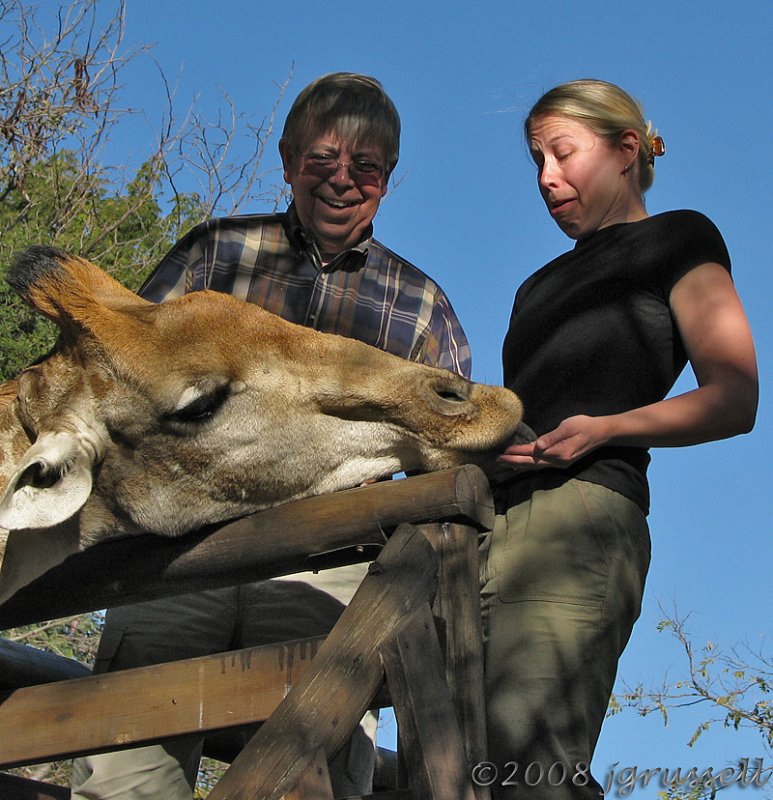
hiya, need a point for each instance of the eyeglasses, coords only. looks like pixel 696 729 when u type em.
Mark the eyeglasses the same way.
pixel 325 165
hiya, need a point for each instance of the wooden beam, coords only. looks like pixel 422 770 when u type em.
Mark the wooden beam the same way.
pixel 429 730
pixel 314 783
pixel 457 603
pixel 329 700
pixel 134 706
pixel 44 577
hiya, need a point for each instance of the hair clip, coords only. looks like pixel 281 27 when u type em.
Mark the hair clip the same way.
pixel 657 148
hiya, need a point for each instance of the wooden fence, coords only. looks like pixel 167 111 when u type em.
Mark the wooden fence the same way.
pixel 410 639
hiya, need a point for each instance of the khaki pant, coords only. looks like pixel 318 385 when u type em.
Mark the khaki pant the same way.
pixel 562 576
pixel 199 624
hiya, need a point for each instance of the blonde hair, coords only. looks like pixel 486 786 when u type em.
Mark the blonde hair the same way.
pixel 353 106
pixel 608 111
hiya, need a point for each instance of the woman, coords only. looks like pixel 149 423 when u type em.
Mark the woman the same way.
pixel 596 340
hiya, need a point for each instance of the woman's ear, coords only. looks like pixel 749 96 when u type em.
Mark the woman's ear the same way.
pixel 629 145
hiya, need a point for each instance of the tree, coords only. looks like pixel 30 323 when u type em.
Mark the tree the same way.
pixel 61 75
pixel 60 83
pixel 735 687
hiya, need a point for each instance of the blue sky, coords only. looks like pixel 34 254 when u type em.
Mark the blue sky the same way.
pixel 466 210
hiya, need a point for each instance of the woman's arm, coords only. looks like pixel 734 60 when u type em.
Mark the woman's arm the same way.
pixel 719 345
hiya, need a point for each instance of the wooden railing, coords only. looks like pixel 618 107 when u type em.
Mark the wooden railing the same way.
pixel 309 695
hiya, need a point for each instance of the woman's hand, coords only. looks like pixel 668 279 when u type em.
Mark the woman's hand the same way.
pixel 574 438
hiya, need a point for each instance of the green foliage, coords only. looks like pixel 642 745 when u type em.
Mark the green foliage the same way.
pixel 57 103
pixel 210 772
pixel 124 231
pixel 696 793
pixel 71 637
pixel 59 91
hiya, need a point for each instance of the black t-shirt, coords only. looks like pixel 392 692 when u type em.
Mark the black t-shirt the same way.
pixel 592 333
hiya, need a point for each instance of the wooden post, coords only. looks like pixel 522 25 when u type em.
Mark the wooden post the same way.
pixel 457 603
pixel 435 757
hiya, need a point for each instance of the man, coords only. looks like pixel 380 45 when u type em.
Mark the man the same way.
pixel 316 265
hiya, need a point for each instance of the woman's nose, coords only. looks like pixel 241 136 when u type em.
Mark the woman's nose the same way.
pixel 548 175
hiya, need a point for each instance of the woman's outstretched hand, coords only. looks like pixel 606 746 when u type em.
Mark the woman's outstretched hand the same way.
pixel 574 438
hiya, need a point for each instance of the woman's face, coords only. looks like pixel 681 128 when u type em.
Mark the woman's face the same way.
pixel 586 181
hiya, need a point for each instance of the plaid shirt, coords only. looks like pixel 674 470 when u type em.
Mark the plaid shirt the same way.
pixel 366 293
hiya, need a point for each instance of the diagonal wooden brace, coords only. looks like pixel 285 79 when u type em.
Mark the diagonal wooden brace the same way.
pixel 328 702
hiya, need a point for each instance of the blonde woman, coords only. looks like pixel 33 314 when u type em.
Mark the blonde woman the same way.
pixel 596 340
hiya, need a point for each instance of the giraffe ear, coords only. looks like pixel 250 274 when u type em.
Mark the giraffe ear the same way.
pixel 51 483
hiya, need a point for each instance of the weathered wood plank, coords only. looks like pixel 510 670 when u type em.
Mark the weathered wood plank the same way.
pixel 43 577
pixel 314 783
pixel 457 603
pixel 433 749
pixel 329 700
pixel 103 712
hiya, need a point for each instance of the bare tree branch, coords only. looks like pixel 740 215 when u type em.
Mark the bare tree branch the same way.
pixel 734 685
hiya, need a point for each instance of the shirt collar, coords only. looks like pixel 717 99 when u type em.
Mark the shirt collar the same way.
pixel 303 240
